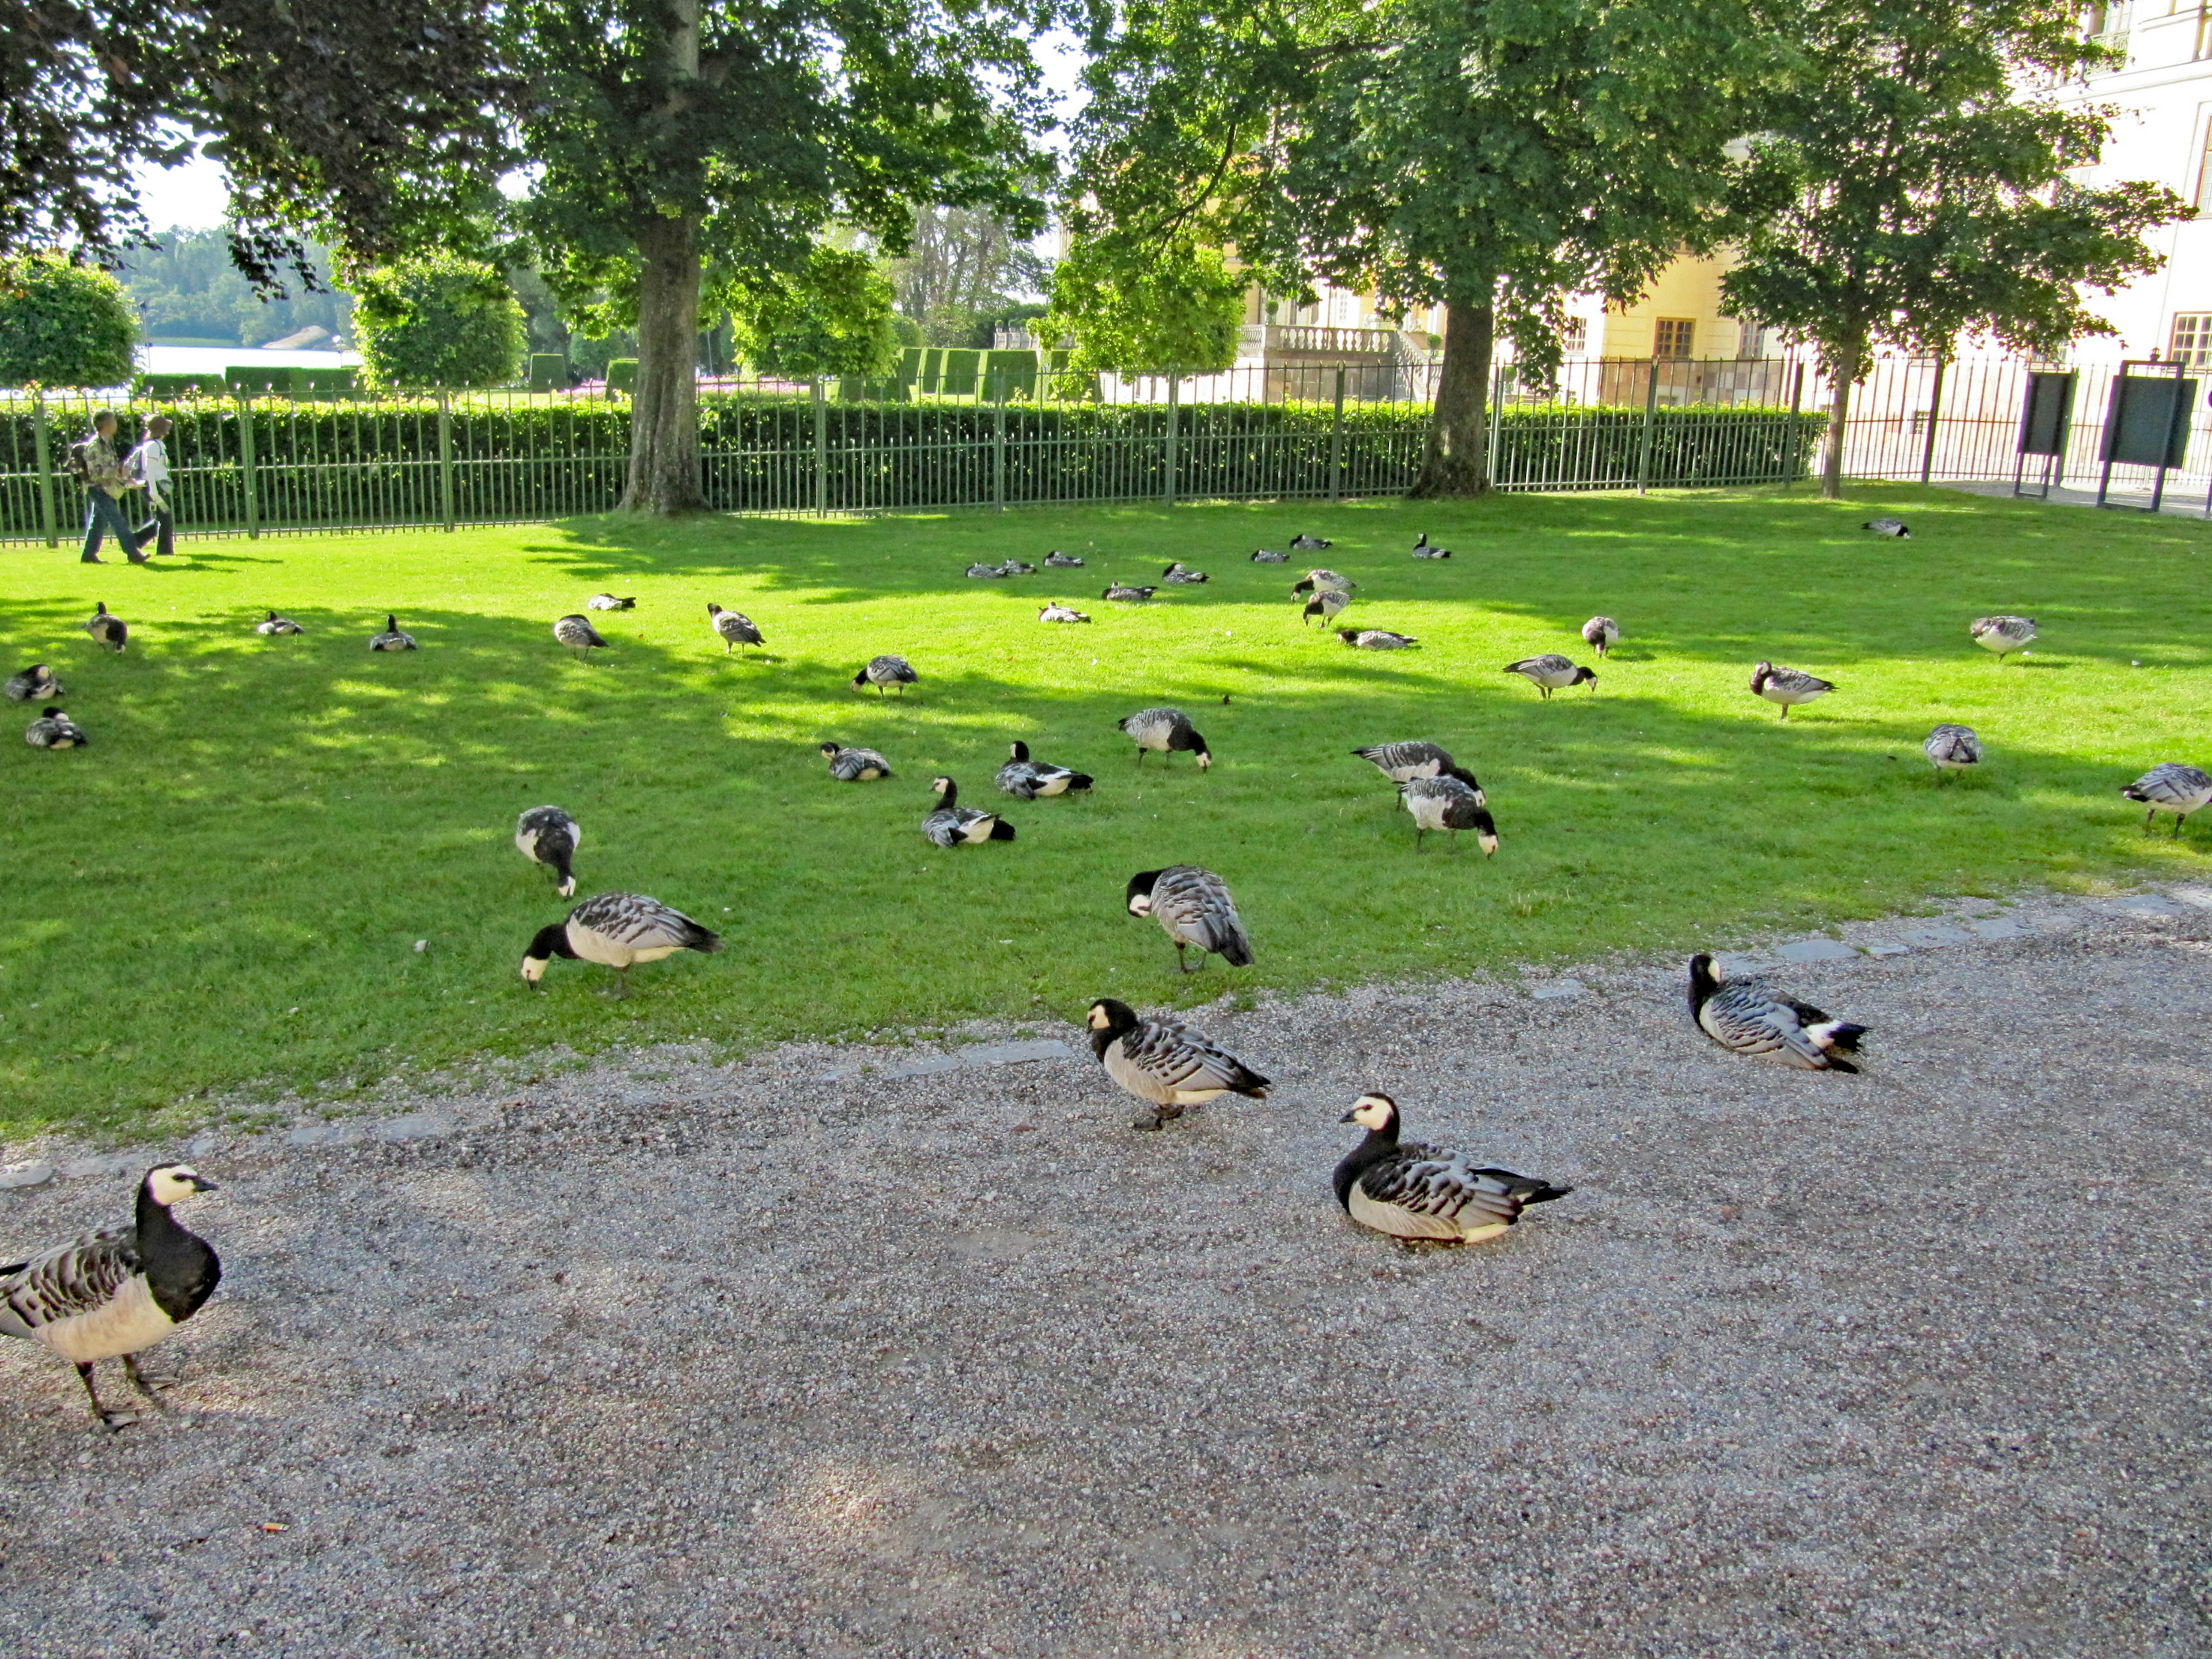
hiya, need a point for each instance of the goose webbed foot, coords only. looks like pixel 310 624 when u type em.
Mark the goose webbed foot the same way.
pixel 151 1387
pixel 1147 1121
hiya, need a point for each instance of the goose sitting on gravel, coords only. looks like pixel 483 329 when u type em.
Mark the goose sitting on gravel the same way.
pixel 1060 560
pixel 733 628
pixel 576 632
pixel 273 626
pixel 1401 763
pixel 1448 803
pixel 394 638
pixel 116 1292
pixel 110 631
pixel 609 602
pixel 1410 1191
pixel 1261 555
pixel 1320 581
pixel 1164 1063
pixel 1952 748
pixel 616 930
pixel 1057 613
pixel 1752 1020
pixel 2003 635
pixel 36 683
pixel 1182 575
pixel 1601 634
pixel 854 765
pixel 1553 672
pixel 1788 686
pixel 2172 788
pixel 1377 639
pixel 951 825
pixel 1127 593
pixel 1892 528
pixel 1326 604
pixel 548 836
pixel 985 572
pixel 1193 909
pixel 886 669
pixel 1302 542
pixel 1033 779
pixel 1424 550
pixel 1168 730
pixel 54 730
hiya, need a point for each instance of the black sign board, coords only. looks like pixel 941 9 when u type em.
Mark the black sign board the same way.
pixel 2147 423
pixel 2050 410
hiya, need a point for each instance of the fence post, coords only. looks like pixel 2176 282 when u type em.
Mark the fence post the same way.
pixel 1790 442
pixel 45 468
pixel 1497 423
pixel 1336 444
pixel 1174 382
pixel 821 447
pixel 446 456
pixel 1934 404
pixel 249 486
pixel 999 440
pixel 1650 417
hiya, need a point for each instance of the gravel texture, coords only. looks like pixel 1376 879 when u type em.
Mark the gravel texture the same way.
pixel 805 1357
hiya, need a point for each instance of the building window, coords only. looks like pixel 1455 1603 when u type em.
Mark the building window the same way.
pixel 2108 24
pixel 1575 340
pixel 1673 337
pixel 2192 339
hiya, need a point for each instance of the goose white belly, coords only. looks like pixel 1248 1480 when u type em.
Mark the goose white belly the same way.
pixel 129 1321
pixel 613 953
pixel 1401 1222
pixel 1790 696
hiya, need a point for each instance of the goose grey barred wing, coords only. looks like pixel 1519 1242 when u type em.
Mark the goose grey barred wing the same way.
pixel 2172 785
pixel 1019 779
pixel 943 827
pixel 1195 907
pixel 1953 745
pixel 1164 1062
pixel 1413 759
pixel 850 765
pixel 1753 1022
pixel 641 923
pixel 78 1278
pixel 1444 1189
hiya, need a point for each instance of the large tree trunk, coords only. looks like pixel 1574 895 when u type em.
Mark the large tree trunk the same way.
pixel 1456 458
pixel 664 431
pixel 1845 367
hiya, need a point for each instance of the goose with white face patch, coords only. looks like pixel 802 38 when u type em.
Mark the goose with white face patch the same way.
pixel 609 602
pixel 548 836
pixel 1752 1020
pixel 2003 635
pixel 1182 575
pixel 950 824
pixel 2172 788
pixel 1401 763
pixel 1261 555
pixel 1788 687
pixel 1016 568
pixel 576 632
pixel 1413 1191
pixel 272 627
pixel 1127 593
pixel 616 930
pixel 1193 909
pixel 855 765
pixel 733 627
pixel 1057 613
pixel 116 1292
pixel 1302 542
pixel 1892 528
pixel 1322 582
pixel 1449 804
pixel 1060 560
pixel 1553 672
pixel 885 670
pixel 1164 1063
pixel 986 573
pixel 1170 732
pixel 1424 549
pixel 1037 779
pixel 1601 634
pixel 54 730
pixel 1952 748
pixel 1326 605
pixel 36 683
pixel 394 638
pixel 109 630
pixel 1377 639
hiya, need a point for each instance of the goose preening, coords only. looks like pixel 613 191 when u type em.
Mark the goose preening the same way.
pixel 951 825
pixel 1788 686
pixel 1315 581
pixel 1034 780
pixel 1553 672
pixel 609 602
pixel 1752 1020
pixel 1127 593
pixel 1182 575
pixel 1376 639
pixel 1193 909
pixel 616 930
pixel 117 1292
pixel 1060 560
pixel 1601 634
pixel 1952 748
pixel 1424 549
pixel 886 669
pixel 577 632
pixel 1168 730
pixel 2172 788
pixel 1261 555
pixel 548 836
pixel 1892 528
pixel 54 730
pixel 854 765
pixel 1057 613
pixel 273 626
pixel 1016 567
pixel 1164 1063
pixel 1302 542
pixel 110 631
pixel 2003 635
pixel 733 628
pixel 1326 604
pixel 1409 1190
pixel 36 683
pixel 985 572
pixel 1401 763
pixel 1451 803
pixel 394 638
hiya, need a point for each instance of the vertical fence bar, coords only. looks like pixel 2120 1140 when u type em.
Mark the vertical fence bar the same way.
pixel 821 447
pixel 1174 384
pixel 1336 444
pixel 42 437
pixel 1794 437
pixel 1496 433
pixel 446 456
pixel 999 440
pixel 1934 405
pixel 249 486
pixel 1650 419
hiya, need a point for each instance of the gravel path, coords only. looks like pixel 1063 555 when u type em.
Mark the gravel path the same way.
pixel 801 1359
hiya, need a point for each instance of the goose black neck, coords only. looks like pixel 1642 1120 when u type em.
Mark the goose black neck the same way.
pixel 1702 982
pixel 1378 1146
pixel 181 1270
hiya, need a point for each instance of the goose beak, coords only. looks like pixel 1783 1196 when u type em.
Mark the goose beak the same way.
pixel 202 1184
pixel 1352 1116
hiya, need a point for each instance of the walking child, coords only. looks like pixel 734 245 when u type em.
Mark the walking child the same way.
pixel 98 460
pixel 149 465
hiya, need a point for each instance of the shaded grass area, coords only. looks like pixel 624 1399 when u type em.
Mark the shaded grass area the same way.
pixel 227 887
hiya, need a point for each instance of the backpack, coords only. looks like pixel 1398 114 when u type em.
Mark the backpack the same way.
pixel 78 463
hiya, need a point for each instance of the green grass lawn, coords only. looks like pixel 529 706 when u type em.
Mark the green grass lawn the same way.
pixel 227 887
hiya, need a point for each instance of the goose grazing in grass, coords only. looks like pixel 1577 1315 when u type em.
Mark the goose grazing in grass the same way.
pixel 1412 1191
pixel 609 602
pixel 2003 635
pixel 273 626
pixel 2172 788
pixel 1127 593
pixel 1553 672
pixel 1424 549
pixel 1448 803
pixel 1319 581
pixel 117 1292
pixel 1060 560
pixel 1302 542
pixel 985 572
pixel 1261 555
pixel 854 765
pixel 1326 604
pixel 548 836
pixel 1753 1020
pixel 1034 779
pixel 54 730
pixel 109 630
pixel 1016 567
pixel 1057 613
pixel 1182 575
pixel 886 669
pixel 1401 763
pixel 616 930
pixel 577 632
pixel 1601 634
pixel 36 683
pixel 1193 909
pixel 951 825
pixel 1788 686
pixel 1164 1063
pixel 394 638
pixel 1952 748
pixel 1377 639
pixel 1892 528
pixel 1168 730
pixel 733 627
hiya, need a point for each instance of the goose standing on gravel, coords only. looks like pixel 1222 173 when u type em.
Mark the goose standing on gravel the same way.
pixel 1952 748
pixel 609 602
pixel 1892 528
pixel 1057 613
pixel 577 632
pixel 1034 780
pixel 1305 544
pixel 1182 575
pixel 1423 550
pixel 1321 581
pixel 1553 672
pixel 1127 593
pixel 36 683
pixel 1377 639
pixel 110 631
pixel 886 669
pixel 951 825
pixel 2003 635
pixel 1752 1020
pixel 54 730
pixel 1409 1190
pixel 394 638
pixel 1788 686
pixel 733 627
pixel 616 930
pixel 1193 909
pixel 1168 730
pixel 855 765
pixel 1261 555
pixel 1164 1063
pixel 1060 560
pixel 1326 605
pixel 1448 803
pixel 2172 788
pixel 1401 763
pixel 548 836
pixel 1601 634
pixel 116 1292
pixel 985 572
pixel 273 626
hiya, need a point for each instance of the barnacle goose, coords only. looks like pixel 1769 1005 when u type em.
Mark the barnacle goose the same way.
pixel 109 630
pixel 1952 748
pixel 394 638
pixel 734 627
pixel 1193 909
pixel 54 730
pixel 1167 730
pixel 117 1291
pixel 985 572
pixel 1377 639
pixel 1032 780
pixel 1016 567
pixel 1601 634
pixel 577 632
pixel 1422 549
pixel 854 765
pixel 1401 763
pixel 34 684
pixel 1127 593
pixel 1893 528
pixel 1553 672
pixel 2172 788
pixel 1315 581
pixel 272 625
pixel 1182 575
pixel 1325 604
pixel 1788 686
pixel 1409 1190
pixel 1164 1063
pixel 1447 803
pixel 2003 635
pixel 1754 1021
pixel 1057 613
pixel 1060 560
pixel 1302 542
pixel 1261 555
pixel 548 836
pixel 886 669
pixel 951 825
pixel 616 930
pixel 609 602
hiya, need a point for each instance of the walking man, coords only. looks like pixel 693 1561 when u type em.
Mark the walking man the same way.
pixel 149 465
pixel 98 460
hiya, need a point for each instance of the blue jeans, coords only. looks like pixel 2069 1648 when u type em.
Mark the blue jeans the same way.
pixel 103 515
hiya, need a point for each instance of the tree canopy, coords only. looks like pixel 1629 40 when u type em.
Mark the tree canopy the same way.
pixel 437 321
pixel 1134 310
pixel 64 324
